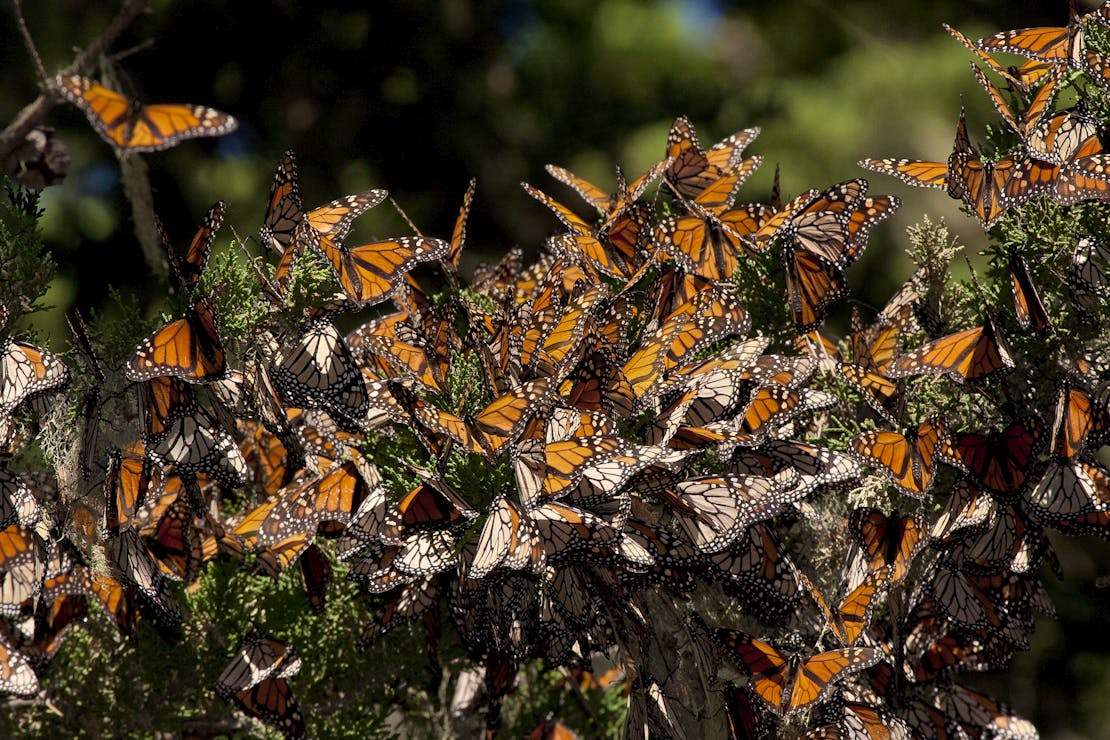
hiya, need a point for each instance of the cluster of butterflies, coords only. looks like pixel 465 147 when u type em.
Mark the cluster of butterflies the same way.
pixel 633 431
pixel 1058 154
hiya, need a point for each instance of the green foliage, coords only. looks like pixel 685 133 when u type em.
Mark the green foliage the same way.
pixel 28 265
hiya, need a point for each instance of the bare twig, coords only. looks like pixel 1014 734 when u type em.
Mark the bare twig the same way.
pixel 21 22
pixel 33 114
pixel 141 46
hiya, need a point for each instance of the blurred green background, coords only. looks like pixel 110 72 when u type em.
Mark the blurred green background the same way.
pixel 418 97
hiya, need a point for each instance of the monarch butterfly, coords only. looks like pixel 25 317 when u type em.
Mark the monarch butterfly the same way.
pixel 860 722
pixel 559 347
pixel 495 280
pixel 887 541
pixel 509 539
pixel 17 504
pixel 14 437
pixel 608 203
pixel 365 525
pixel 835 223
pixel 624 228
pixel 552 729
pixel 567 532
pixel 992 188
pixel 1028 309
pixel 285 210
pixel 331 221
pixel 710 315
pixel 789 683
pixel 316 574
pixel 406 352
pixel 874 349
pixel 723 507
pixel 134 565
pixel 969 509
pixel 853 616
pixel 1016 81
pixel 1078 418
pixel 376 568
pixel 23 563
pixel 1001 460
pixel 710 175
pixel 331 497
pixel 814 466
pixel 26 371
pixel 972 354
pixel 127 482
pixel 187 273
pixel 1069 489
pixel 741 357
pixel 117 599
pixel 1025 125
pixel 497 425
pixel 1064 45
pixel 756 571
pixel 581 244
pixel 978 715
pixel 256 680
pixel 187 348
pixel 710 242
pixel 458 234
pixel 1011 542
pixel 430 506
pixel 822 239
pixel 908 461
pixel 182 434
pixel 369 273
pixel 317 371
pixel 709 396
pixel 410 601
pixel 599 384
pixel 936 647
pixel 16 675
pixel 1089 275
pixel 564 464
pixel 131 126
pixel 54 617
pixel 173 540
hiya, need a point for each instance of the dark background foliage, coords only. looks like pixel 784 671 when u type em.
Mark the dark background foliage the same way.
pixel 418 97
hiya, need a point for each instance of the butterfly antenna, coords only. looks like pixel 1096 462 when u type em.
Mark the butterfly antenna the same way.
pixel 397 207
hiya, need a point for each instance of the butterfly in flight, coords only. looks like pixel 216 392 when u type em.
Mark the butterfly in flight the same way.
pixel 131 126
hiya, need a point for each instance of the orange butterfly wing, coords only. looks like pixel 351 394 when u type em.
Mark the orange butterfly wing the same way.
pixel 188 348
